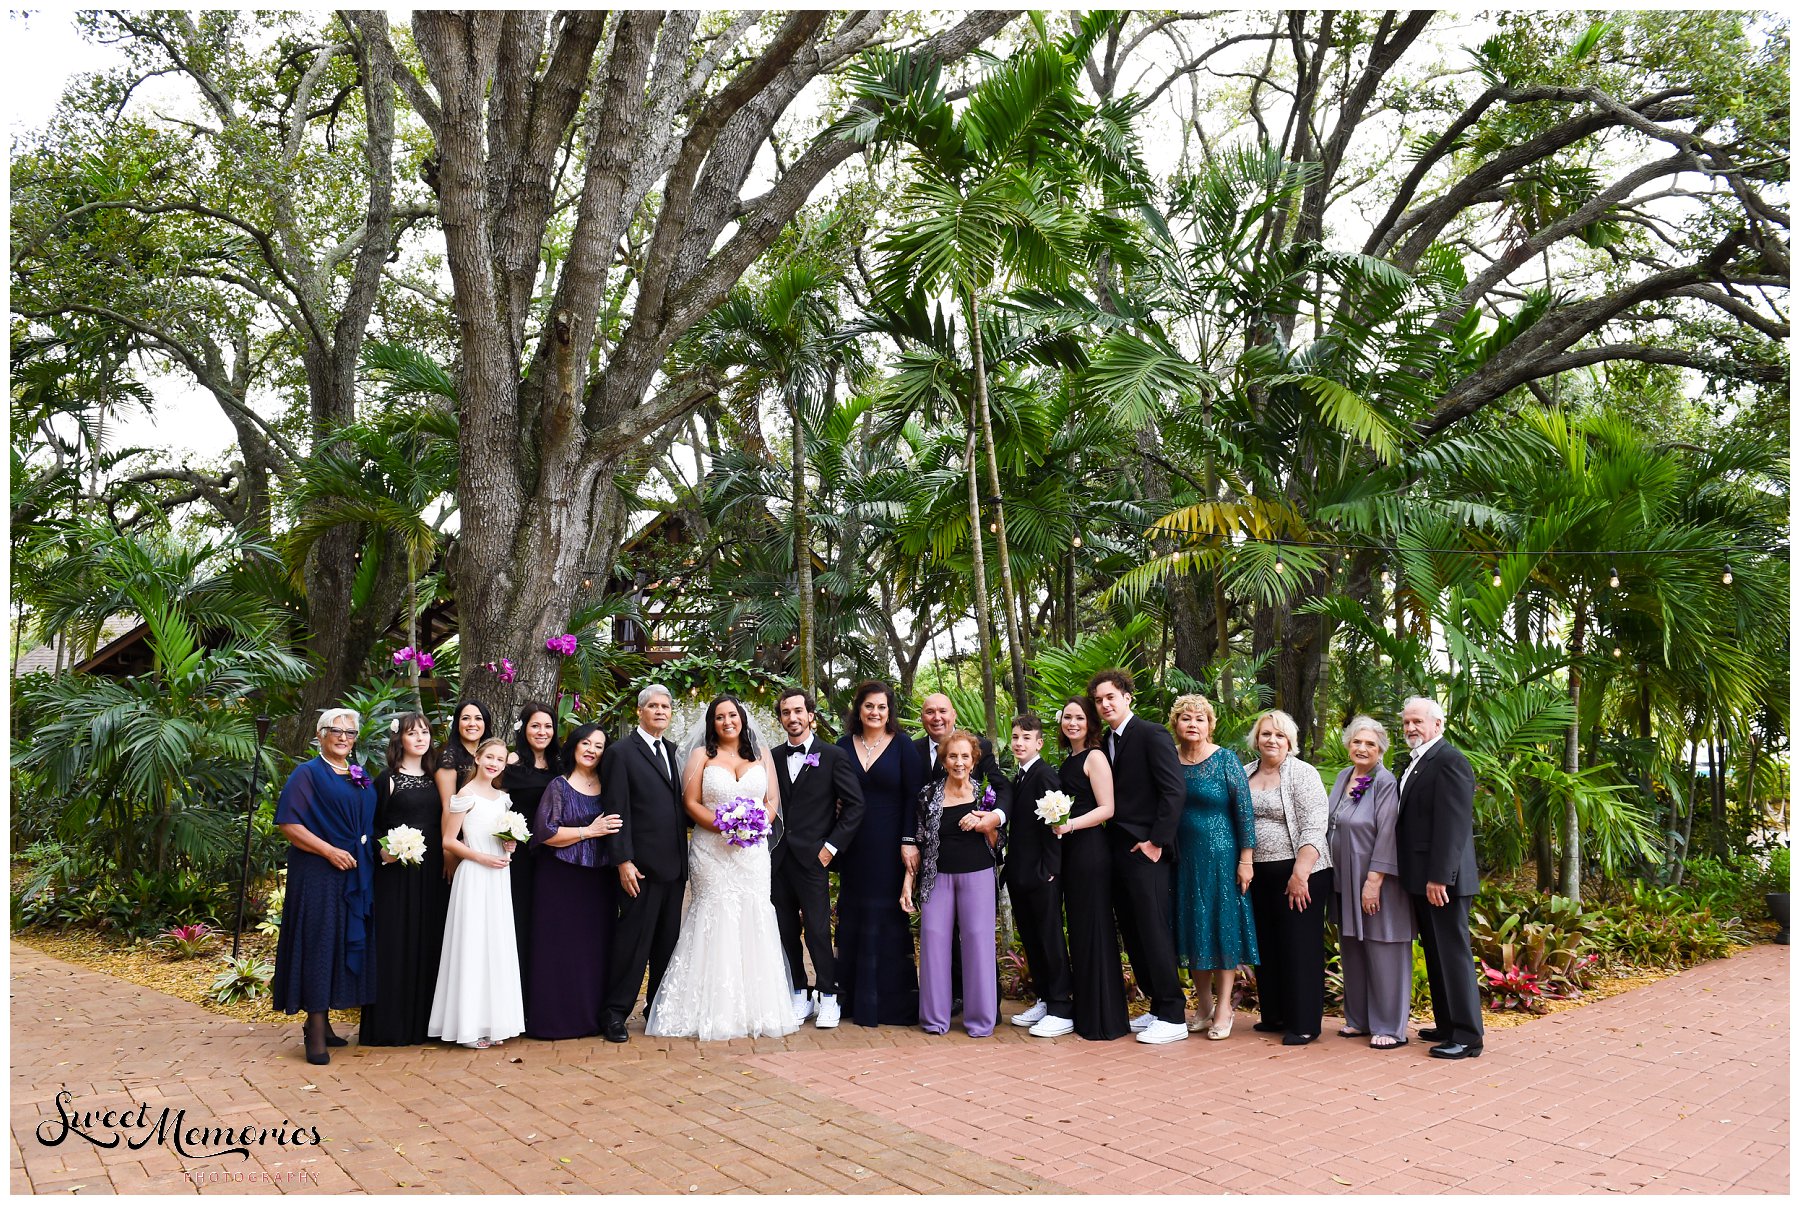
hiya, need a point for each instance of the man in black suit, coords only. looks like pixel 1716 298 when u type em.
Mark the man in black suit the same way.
pixel 641 784
pixel 939 716
pixel 1148 792
pixel 821 806
pixel 1435 836
pixel 1033 880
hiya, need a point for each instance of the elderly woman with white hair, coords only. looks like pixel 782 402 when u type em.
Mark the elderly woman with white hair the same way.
pixel 325 956
pixel 1289 882
pixel 1371 909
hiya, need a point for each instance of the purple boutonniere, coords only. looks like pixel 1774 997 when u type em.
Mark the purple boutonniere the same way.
pixel 1359 786
pixel 987 799
pixel 358 776
pixel 811 759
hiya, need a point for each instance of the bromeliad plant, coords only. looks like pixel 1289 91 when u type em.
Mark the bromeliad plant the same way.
pixel 245 978
pixel 1532 949
pixel 188 941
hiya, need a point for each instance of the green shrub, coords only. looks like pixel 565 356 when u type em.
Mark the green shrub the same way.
pixel 1661 927
pixel 1532 947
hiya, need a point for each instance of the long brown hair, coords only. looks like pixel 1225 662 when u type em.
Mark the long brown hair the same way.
pixel 1086 703
pixel 396 746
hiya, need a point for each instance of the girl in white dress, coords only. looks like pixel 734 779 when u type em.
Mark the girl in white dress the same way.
pixel 478 1001
pixel 728 977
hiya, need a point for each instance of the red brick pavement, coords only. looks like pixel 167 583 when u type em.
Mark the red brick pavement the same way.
pixel 1681 1086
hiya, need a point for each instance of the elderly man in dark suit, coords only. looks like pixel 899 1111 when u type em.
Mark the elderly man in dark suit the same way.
pixel 640 783
pixel 1435 833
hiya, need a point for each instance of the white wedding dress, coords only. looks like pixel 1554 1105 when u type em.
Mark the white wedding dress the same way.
pixel 728 977
pixel 478 993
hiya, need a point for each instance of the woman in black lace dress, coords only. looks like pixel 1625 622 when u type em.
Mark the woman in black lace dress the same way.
pixel 1086 777
pixel 410 900
pixel 536 759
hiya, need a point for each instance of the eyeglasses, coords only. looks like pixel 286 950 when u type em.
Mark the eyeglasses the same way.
pixel 346 733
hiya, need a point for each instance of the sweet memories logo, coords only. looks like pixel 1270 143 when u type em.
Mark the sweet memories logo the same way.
pixel 138 1128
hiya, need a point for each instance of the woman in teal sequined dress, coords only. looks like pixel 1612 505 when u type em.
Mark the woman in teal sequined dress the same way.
pixel 1214 931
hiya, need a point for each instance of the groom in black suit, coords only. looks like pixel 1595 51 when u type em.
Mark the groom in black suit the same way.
pixel 1148 793
pixel 1434 836
pixel 640 783
pixel 821 806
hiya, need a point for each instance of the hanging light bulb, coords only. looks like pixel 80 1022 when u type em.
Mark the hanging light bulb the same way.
pixel 1617 651
pixel 587 583
pixel 1280 566
pixel 1496 577
pixel 1075 543
pixel 1387 578
pixel 994 527
pixel 1613 581
pixel 1726 577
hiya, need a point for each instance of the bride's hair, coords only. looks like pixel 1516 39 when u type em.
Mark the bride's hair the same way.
pixel 746 737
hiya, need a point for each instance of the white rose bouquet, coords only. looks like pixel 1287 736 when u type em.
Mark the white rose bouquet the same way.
pixel 1054 808
pixel 404 844
pixel 511 827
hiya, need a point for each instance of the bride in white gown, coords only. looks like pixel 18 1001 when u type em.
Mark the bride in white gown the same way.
pixel 727 977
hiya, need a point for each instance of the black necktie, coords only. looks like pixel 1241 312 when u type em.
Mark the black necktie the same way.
pixel 792 748
pixel 1112 746
pixel 662 758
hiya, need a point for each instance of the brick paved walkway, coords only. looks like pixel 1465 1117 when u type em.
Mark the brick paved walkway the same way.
pixel 1680 1086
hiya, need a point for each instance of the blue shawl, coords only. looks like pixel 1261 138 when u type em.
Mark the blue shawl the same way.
pixel 339 813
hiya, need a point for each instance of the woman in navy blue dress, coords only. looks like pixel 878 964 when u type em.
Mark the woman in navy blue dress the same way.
pixel 324 958
pixel 877 982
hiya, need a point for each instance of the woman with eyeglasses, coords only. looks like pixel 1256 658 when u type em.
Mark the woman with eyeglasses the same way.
pixel 325 957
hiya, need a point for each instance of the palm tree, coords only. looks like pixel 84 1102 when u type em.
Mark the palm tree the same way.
pixel 991 203
pixel 780 340
pixel 386 473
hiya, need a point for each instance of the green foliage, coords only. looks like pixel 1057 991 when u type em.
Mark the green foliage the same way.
pixel 245 978
pixel 188 941
pixel 1662 927
pixel 1532 948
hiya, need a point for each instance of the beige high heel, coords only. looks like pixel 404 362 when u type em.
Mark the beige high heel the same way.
pixel 1217 1032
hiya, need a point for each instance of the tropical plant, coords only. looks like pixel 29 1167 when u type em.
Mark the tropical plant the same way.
pixel 188 941
pixel 245 978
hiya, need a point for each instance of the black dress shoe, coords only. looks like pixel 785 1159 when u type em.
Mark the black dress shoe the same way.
pixel 615 1032
pixel 956 1007
pixel 1269 1027
pixel 1456 1050
pixel 1434 1034
pixel 319 1059
pixel 1298 1039
pixel 331 1039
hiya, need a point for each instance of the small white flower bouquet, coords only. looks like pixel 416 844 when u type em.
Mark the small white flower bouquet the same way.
pixel 511 827
pixel 1054 808
pixel 404 844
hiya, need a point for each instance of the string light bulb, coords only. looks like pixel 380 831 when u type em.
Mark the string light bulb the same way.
pixel 1613 581
pixel 1496 578
pixel 1617 651
pixel 1387 577
pixel 1726 577
pixel 1075 543
pixel 1280 566
pixel 994 527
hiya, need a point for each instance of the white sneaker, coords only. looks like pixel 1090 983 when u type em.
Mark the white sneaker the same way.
pixel 802 1006
pixel 1140 1024
pixel 1052 1027
pixel 1032 1015
pixel 828 1013
pixel 1158 1032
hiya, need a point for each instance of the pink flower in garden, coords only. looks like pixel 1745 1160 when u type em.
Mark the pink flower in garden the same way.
pixel 425 661
pixel 563 645
pixel 403 656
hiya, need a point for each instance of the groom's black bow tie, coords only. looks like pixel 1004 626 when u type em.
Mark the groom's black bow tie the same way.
pixel 793 748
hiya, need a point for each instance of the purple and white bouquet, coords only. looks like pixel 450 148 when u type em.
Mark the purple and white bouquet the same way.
pixel 404 844
pixel 743 821
pixel 511 827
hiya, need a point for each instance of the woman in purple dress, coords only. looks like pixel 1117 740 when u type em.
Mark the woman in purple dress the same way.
pixel 575 898
pixel 877 983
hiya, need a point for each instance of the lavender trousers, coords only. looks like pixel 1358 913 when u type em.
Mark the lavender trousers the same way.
pixel 959 903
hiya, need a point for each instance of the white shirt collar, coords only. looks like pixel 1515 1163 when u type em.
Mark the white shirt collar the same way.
pixel 805 745
pixel 1120 730
pixel 655 742
pixel 1034 761
pixel 1422 750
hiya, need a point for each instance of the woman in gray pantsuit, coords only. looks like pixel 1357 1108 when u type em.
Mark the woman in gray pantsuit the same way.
pixel 1373 915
